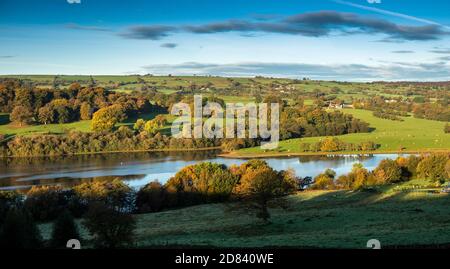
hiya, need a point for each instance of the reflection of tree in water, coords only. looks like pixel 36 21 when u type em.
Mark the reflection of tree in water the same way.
pixel 305 159
pixel 24 186
pixel 104 159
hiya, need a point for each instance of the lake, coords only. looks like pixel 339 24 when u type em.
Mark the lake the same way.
pixel 137 169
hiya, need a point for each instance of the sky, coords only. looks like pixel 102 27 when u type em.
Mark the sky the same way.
pixel 346 40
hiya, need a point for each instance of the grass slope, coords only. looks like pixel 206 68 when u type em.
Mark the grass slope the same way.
pixel 411 134
pixel 323 219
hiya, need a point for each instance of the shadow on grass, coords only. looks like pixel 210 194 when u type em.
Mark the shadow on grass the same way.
pixel 4 119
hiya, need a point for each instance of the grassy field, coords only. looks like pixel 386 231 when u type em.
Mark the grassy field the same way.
pixel 411 134
pixel 323 219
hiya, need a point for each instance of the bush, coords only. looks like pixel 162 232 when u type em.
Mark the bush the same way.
pixel 64 229
pixel 109 227
pixel 19 231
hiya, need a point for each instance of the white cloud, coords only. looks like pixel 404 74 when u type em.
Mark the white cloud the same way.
pixel 74 1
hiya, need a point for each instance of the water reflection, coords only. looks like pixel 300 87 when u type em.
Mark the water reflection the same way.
pixel 137 169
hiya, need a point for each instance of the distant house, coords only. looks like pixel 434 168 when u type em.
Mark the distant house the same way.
pixel 390 101
pixel 336 105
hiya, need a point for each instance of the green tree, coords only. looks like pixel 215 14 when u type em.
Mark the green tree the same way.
pixel 21 115
pixel 64 229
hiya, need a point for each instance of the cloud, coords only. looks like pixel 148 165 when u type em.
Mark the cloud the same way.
pixel 169 45
pixel 313 24
pixel 441 51
pixel 152 32
pixel 87 28
pixel 402 51
pixel 348 72
pixel 6 56
pixel 445 58
pixel 74 1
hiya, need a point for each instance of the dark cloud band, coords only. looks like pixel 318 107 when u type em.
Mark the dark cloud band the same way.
pixel 315 24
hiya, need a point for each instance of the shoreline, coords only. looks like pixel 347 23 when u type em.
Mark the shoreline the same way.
pixel 236 155
pixel 113 152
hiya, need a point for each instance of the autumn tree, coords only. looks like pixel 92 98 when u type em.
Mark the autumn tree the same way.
pixel 433 167
pixel 388 171
pixel 260 187
pixel 324 181
pixel 105 118
pixel 139 125
pixel 46 115
pixel 85 111
pixel 21 115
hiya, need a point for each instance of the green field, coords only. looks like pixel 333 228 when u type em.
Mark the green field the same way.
pixel 82 126
pixel 412 134
pixel 324 219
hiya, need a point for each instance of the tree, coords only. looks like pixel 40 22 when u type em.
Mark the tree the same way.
pixel 85 111
pixel 151 198
pixel 9 200
pixel 19 231
pixel 21 115
pixel 64 229
pixel 109 227
pixel 105 118
pixel 447 128
pixel 151 127
pixel 388 171
pixel 325 181
pixel 46 115
pixel 433 167
pixel 259 188
pixel 62 109
pixel 139 125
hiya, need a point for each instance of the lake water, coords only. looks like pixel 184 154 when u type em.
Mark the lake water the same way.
pixel 137 169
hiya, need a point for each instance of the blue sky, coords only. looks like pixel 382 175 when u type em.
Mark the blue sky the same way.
pixel 355 40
